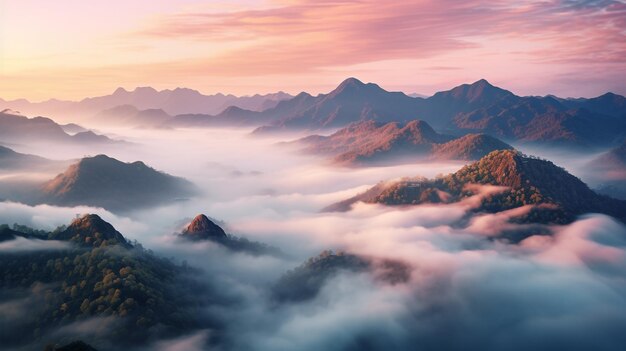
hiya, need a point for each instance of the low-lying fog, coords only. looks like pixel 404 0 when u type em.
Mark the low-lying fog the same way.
pixel 465 290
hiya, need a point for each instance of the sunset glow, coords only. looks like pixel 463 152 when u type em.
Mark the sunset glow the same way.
pixel 71 49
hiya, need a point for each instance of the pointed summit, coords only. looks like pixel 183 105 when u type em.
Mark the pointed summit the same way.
pixel 201 227
pixel 91 230
pixel 353 86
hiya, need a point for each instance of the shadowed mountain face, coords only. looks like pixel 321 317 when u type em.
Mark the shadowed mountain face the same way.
pixel 20 129
pixel 73 346
pixel 371 142
pixel 555 195
pixel 114 185
pixel 476 108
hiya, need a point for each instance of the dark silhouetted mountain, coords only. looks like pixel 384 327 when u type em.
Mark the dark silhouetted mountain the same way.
pixel 114 185
pixel 91 230
pixel 173 102
pixel 608 104
pixel 557 196
pixel 470 108
pixel 20 129
pixel 374 142
pixel 305 281
pixel 139 295
pixel 202 228
pixel 351 101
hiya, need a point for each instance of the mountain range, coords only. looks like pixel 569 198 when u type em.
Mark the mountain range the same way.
pixel 370 142
pixel 15 128
pixel 551 193
pixel 172 102
pixel 479 107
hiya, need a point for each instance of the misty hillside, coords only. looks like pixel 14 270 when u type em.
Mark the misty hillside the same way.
pixel 374 142
pixel 20 129
pixel 305 281
pixel 15 161
pixel 201 228
pixel 557 196
pixel 101 276
pixel 114 185
pixel 130 116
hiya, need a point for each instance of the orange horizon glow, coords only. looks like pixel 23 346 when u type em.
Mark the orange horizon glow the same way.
pixel 74 49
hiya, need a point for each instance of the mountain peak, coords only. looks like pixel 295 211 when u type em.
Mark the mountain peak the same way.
pixel 354 86
pixel 201 227
pixel 120 91
pixel 91 230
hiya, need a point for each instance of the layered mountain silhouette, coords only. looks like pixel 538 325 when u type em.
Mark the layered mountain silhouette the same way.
pixel 130 116
pixel 15 161
pixel 117 186
pixel 375 142
pixel 173 102
pixel 476 108
pixel 20 129
pixel 554 195
pixel 201 228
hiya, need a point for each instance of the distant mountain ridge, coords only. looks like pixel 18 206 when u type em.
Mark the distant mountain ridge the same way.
pixel 173 102
pixel 479 107
pixel 376 142
pixel 20 129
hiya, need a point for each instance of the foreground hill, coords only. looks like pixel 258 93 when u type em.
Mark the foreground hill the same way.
pixel 374 142
pixel 555 195
pixel 16 128
pixel 114 185
pixel 97 274
pixel 201 228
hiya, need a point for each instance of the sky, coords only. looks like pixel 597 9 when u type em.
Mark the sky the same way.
pixel 71 49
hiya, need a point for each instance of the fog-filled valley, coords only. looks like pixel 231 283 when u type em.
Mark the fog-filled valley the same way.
pixel 288 275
